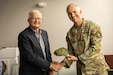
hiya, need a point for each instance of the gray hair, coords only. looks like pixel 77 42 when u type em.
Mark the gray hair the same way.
pixel 72 4
pixel 35 11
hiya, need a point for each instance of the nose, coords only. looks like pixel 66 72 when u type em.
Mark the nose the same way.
pixel 72 14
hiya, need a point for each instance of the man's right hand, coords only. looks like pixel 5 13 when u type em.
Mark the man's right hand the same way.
pixel 56 66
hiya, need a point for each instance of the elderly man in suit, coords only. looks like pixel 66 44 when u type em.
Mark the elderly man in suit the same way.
pixel 33 43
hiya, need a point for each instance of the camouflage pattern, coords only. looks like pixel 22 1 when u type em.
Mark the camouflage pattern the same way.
pixel 84 42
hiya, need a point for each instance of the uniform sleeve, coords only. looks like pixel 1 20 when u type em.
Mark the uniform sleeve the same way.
pixel 94 46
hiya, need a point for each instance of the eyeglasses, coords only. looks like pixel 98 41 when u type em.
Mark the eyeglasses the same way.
pixel 35 18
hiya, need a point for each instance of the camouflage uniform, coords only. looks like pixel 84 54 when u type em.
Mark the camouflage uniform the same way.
pixel 84 42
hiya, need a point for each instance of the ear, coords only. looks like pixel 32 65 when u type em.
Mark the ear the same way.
pixel 28 19
pixel 80 11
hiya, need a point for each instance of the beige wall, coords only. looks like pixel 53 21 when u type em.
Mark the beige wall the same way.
pixel 13 19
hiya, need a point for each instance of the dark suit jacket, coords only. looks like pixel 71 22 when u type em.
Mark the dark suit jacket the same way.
pixel 31 56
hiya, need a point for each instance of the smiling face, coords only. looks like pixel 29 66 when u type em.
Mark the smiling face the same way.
pixel 35 20
pixel 74 13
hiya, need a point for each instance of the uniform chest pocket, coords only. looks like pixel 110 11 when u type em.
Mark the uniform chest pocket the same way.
pixel 85 35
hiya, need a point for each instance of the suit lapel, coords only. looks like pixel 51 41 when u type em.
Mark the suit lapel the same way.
pixel 36 42
pixel 44 38
pixel 34 39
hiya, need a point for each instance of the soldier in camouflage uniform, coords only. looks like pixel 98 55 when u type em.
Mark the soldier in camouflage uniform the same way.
pixel 84 44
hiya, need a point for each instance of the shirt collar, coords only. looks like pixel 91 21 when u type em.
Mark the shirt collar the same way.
pixel 40 31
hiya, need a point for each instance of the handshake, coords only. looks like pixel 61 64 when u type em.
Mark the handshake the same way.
pixel 56 66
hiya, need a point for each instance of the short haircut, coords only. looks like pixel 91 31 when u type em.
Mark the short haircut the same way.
pixel 72 4
pixel 34 11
